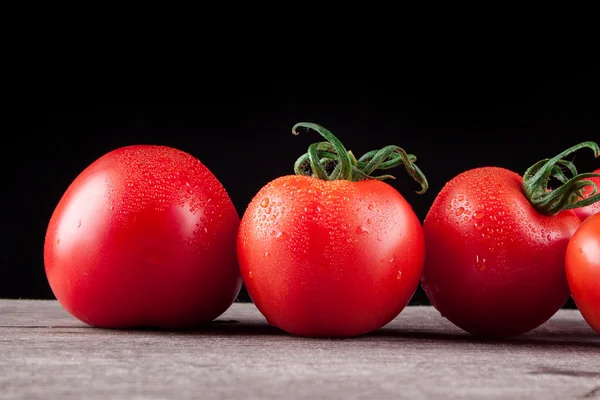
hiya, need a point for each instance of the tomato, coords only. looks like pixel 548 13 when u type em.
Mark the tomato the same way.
pixel 332 255
pixel 582 264
pixel 144 236
pixel 594 208
pixel 496 246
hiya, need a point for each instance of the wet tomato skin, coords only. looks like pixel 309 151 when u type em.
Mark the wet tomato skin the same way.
pixel 583 270
pixel 144 236
pixel 494 265
pixel 330 258
pixel 594 208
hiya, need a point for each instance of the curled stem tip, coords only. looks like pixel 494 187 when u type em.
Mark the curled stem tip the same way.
pixel 567 196
pixel 346 166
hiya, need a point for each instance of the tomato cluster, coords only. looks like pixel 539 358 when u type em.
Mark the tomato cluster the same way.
pixel 148 236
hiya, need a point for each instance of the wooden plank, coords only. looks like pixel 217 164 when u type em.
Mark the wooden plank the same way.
pixel 45 353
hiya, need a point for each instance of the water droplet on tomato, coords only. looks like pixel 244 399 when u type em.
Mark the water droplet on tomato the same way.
pixel 281 236
pixel 190 191
pixel 57 241
pixel 79 224
pixel 268 210
pixel 205 230
pixel 250 274
pixel 264 202
pixel 368 220
pixel 461 198
pixel 392 259
pixel 478 225
pixel 477 215
pixel 361 229
pixel 479 263
pixel 459 211
pixel 195 232
pixel 399 275
pixel 267 255
pixel 370 207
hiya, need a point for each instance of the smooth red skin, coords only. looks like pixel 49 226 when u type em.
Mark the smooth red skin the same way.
pixel 144 236
pixel 330 259
pixel 505 277
pixel 582 264
pixel 594 208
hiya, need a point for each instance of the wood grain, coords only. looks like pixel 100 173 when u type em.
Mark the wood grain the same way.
pixel 47 354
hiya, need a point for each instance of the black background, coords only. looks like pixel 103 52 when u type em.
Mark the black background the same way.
pixel 241 129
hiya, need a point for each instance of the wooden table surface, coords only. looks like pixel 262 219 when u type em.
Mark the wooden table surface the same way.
pixel 47 354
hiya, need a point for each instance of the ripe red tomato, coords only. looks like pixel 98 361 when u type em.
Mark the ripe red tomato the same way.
pixel 144 236
pixel 594 208
pixel 496 246
pixel 337 254
pixel 583 270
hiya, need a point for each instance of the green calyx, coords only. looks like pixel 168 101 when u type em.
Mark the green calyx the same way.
pixel 332 155
pixel 570 194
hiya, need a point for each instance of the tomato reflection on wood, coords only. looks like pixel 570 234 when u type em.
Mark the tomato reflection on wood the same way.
pixel 496 245
pixel 332 250
pixel 144 236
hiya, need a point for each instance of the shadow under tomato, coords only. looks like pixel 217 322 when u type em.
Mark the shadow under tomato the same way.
pixel 228 327
pixel 548 340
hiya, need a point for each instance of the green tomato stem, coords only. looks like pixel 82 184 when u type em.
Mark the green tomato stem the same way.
pixel 346 166
pixel 570 194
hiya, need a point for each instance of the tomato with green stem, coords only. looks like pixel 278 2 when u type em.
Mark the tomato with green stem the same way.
pixel 582 263
pixel 333 251
pixel 496 245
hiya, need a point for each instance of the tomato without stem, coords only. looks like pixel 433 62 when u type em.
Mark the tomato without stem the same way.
pixel 594 208
pixel 496 246
pixel 337 254
pixel 144 236
pixel 583 270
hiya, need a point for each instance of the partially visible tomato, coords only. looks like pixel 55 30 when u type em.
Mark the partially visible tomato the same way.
pixel 594 208
pixel 332 254
pixel 144 236
pixel 583 270
pixel 496 246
